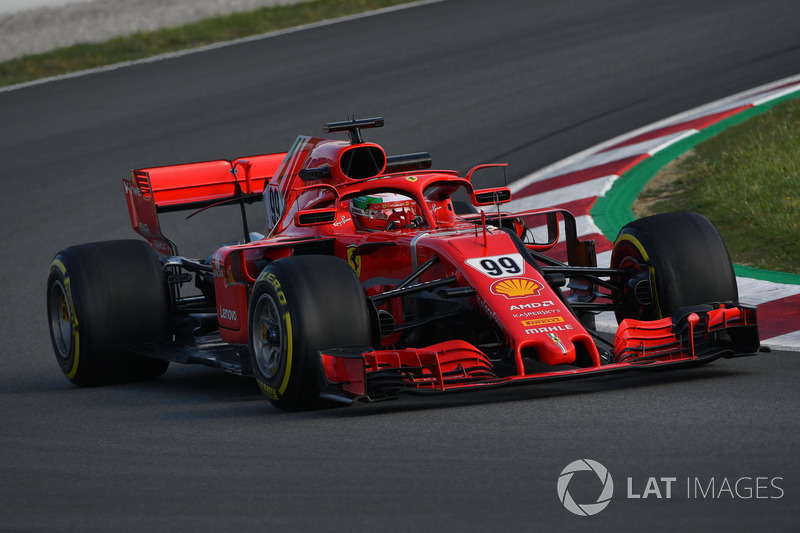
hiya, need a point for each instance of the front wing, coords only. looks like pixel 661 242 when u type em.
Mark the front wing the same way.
pixel 696 336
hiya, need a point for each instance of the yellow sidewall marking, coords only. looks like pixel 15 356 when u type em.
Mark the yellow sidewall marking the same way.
pixel 638 245
pixel 267 390
pixel 635 242
pixel 75 334
pixel 288 370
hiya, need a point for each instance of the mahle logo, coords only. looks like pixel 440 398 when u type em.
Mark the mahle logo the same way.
pixel 585 509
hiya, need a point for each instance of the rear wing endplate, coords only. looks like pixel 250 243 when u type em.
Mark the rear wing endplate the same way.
pixel 154 190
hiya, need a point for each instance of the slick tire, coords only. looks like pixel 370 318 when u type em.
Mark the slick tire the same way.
pixel 687 261
pixel 299 306
pixel 103 298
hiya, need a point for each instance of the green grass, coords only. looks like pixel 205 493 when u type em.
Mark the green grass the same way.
pixel 205 32
pixel 746 181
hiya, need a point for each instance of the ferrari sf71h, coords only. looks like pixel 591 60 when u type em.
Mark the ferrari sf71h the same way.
pixel 375 275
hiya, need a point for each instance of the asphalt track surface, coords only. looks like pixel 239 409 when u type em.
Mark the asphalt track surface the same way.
pixel 471 82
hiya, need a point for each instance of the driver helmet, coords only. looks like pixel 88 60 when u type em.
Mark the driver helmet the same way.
pixel 378 211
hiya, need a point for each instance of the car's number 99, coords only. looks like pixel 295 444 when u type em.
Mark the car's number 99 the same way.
pixel 498 266
pixel 274 206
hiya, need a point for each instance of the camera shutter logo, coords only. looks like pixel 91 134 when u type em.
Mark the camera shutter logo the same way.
pixel 585 509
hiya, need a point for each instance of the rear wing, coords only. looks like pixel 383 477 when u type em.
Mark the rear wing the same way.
pixel 154 190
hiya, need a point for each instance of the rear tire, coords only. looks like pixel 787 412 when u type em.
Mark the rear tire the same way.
pixel 103 298
pixel 687 261
pixel 299 306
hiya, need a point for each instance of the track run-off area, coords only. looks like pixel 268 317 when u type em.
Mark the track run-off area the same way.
pixel 599 186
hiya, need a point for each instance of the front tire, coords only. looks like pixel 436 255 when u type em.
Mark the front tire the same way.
pixel 103 298
pixel 682 257
pixel 299 306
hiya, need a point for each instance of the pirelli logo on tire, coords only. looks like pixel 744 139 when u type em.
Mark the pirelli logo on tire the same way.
pixel 268 391
pixel 273 280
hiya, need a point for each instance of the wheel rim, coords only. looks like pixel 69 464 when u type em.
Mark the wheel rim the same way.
pixel 61 320
pixel 267 336
pixel 627 255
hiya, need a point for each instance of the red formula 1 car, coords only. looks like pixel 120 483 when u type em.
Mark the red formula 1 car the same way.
pixel 379 276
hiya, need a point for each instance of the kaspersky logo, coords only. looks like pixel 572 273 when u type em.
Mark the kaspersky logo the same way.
pixel 600 477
